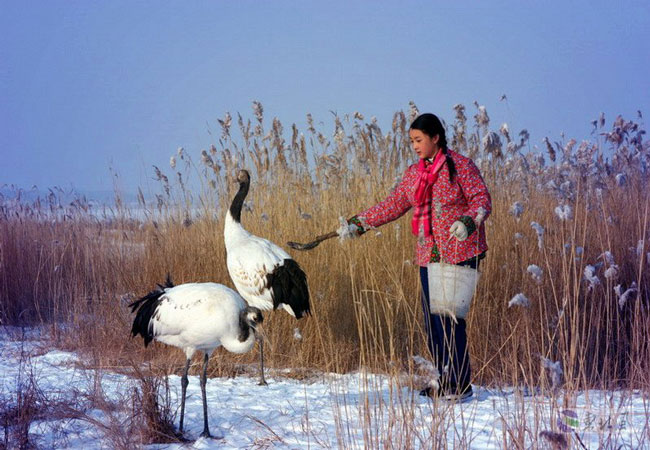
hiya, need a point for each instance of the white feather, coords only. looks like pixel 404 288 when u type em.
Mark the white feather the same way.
pixel 200 316
pixel 250 260
pixel 263 273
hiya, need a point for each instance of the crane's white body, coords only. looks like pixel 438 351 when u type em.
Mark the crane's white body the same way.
pixel 200 316
pixel 196 316
pixel 250 260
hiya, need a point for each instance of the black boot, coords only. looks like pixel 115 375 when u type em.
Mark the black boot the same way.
pixel 448 393
pixel 457 394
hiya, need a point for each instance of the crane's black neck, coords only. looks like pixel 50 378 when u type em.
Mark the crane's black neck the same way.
pixel 238 201
pixel 244 328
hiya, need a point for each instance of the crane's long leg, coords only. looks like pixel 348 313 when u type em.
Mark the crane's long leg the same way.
pixel 204 374
pixel 184 383
pixel 262 380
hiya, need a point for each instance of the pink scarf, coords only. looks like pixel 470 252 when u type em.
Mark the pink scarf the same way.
pixel 427 176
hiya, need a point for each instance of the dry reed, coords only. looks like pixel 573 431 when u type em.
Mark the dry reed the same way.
pixel 74 267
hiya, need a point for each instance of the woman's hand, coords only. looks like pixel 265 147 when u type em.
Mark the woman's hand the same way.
pixel 458 230
pixel 348 229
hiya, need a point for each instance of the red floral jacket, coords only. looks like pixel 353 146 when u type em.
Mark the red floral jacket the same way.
pixel 466 199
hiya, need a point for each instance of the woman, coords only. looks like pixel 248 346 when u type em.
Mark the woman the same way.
pixel 451 203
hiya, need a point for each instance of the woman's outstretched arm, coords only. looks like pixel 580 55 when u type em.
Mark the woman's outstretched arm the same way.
pixel 393 207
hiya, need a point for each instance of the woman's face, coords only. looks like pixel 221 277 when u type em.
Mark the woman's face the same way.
pixel 424 146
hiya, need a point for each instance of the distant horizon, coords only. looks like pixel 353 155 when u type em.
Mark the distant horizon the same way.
pixel 97 195
pixel 107 193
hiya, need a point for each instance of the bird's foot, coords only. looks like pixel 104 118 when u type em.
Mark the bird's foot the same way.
pixel 206 434
pixel 262 382
pixel 181 436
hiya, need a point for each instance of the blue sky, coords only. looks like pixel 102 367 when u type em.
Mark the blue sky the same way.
pixel 85 86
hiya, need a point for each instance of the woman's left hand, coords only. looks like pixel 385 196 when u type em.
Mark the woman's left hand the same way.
pixel 458 230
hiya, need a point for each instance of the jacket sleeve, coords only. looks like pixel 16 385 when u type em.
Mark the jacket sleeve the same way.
pixel 393 207
pixel 478 198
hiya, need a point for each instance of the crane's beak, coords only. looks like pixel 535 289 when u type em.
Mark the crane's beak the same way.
pixel 260 334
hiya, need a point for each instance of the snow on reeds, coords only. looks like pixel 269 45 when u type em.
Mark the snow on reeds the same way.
pixel 591 277
pixel 555 370
pixel 608 257
pixel 519 300
pixel 564 212
pixel 623 297
pixel 517 209
pixel 536 272
pixel 539 231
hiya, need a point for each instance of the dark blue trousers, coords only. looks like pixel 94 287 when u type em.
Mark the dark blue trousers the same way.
pixel 447 342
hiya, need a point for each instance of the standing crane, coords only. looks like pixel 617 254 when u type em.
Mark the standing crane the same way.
pixel 263 273
pixel 197 316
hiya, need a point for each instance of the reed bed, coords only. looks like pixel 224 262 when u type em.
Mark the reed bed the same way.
pixel 563 297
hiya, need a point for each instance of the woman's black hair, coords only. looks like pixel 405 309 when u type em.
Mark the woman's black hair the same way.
pixel 430 125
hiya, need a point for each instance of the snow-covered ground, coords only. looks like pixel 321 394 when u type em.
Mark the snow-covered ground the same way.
pixel 357 410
